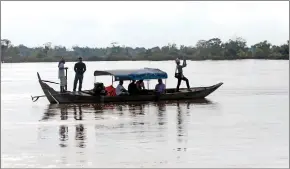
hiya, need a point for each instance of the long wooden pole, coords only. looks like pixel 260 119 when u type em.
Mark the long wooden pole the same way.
pixel 49 81
pixel 35 98
pixel 65 79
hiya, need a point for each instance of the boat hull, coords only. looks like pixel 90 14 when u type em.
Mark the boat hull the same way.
pixel 55 97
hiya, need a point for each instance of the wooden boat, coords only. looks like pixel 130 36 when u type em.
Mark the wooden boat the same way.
pixel 55 97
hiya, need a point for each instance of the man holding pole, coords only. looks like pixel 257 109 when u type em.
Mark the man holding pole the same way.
pixel 62 75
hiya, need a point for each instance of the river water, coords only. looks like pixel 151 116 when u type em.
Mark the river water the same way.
pixel 245 123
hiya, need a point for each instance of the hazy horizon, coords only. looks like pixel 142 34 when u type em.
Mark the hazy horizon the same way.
pixel 142 24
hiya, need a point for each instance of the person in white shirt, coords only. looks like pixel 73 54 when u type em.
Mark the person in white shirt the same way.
pixel 120 90
pixel 61 75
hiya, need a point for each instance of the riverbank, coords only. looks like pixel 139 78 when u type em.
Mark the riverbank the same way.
pixel 212 49
pixel 73 60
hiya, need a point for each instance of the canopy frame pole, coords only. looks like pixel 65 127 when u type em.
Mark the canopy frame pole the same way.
pixel 65 87
pixel 148 84
pixel 112 80
pixel 165 86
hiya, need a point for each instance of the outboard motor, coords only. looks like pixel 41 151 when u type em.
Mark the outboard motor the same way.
pixel 99 89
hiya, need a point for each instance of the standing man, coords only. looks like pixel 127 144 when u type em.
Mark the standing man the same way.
pixel 179 74
pixel 80 69
pixel 61 75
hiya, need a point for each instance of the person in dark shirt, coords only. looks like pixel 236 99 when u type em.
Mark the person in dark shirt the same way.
pixel 80 69
pixel 140 84
pixel 132 88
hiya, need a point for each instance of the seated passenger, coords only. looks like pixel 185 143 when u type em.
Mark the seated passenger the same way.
pixel 160 87
pixel 141 88
pixel 120 90
pixel 111 91
pixel 132 88
pixel 140 85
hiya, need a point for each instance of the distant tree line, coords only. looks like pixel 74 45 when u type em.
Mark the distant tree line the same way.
pixel 212 49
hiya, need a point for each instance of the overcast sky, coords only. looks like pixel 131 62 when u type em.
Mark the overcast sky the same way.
pixel 143 24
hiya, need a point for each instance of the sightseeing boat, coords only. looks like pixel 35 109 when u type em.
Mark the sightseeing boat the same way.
pixel 86 96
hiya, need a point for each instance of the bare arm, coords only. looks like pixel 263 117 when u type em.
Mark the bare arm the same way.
pixel 184 63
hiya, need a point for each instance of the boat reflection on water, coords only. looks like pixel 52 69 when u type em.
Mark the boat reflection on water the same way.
pixel 53 109
pixel 63 135
pixel 63 113
pixel 63 129
pixel 140 117
pixel 182 134
pixel 80 135
pixel 78 115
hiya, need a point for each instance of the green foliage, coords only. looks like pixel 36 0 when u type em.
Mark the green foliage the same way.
pixel 213 49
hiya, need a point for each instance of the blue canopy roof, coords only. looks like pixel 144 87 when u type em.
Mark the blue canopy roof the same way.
pixel 134 74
